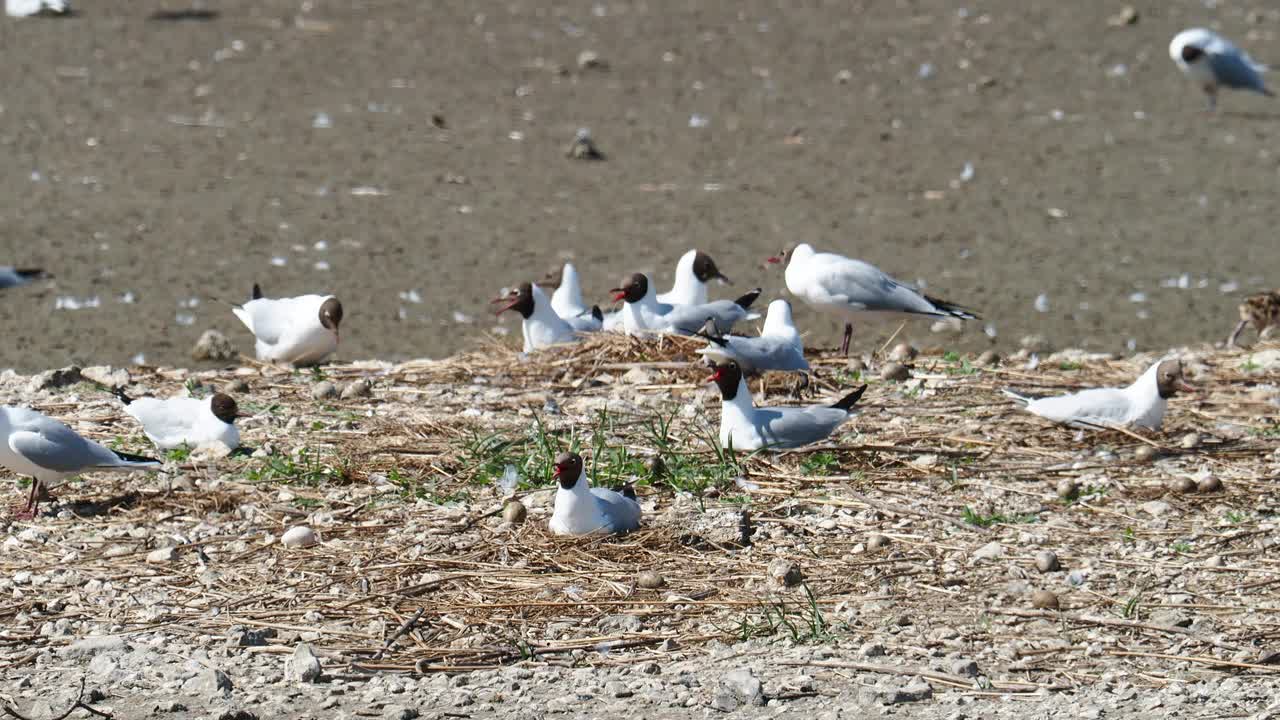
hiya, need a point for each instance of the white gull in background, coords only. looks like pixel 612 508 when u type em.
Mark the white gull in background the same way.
pixel 777 348
pixel 567 299
pixel 1141 404
pixel 844 286
pixel 193 422
pixel 584 510
pixel 48 451
pixel 694 270
pixel 743 426
pixel 12 277
pixel 28 8
pixel 1213 62
pixel 296 331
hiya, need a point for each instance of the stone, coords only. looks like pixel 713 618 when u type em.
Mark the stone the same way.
pixel 870 650
pixel 903 352
pixel 240 636
pixel 591 60
pixel 324 390
pixel 237 715
pixel 1155 508
pixel 877 542
pixel 914 691
pixel 515 512
pixel 621 623
pixel 1146 453
pixel 1047 561
pixel 965 668
pixel 895 371
pixel 299 537
pixel 107 375
pixel 238 386
pixel 303 666
pixel 990 551
pixel 163 555
pixel 1044 600
pixel 1190 441
pixel 95 644
pixel 637 376
pixel 744 686
pixel 1210 484
pixel 855 366
pixel 785 573
pixel 989 358
pixel 213 345
pixel 400 712
pixel 1185 485
pixel 617 689
pixel 357 389
pixel 1035 344
pixel 210 682
pixel 54 379
pixel 1068 489
pixel 650 580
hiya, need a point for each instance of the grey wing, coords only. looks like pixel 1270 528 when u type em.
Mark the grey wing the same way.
pixel 866 287
pixel 1236 70
pixel 623 512
pixel 54 446
pixel 769 353
pixel 585 323
pixel 796 427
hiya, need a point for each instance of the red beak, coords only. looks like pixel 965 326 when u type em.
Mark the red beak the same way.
pixel 774 260
pixel 510 303
pixel 555 473
pixel 713 377
pixel 1185 387
pixel 618 294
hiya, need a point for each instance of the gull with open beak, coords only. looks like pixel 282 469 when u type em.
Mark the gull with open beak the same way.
pixel 541 326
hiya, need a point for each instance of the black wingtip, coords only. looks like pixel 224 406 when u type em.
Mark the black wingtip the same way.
pixel 745 301
pixel 120 393
pixel 183 15
pixel 257 292
pixel 952 309
pixel 597 313
pixel 847 402
pixel 628 492
pixel 31 273
pixel 130 457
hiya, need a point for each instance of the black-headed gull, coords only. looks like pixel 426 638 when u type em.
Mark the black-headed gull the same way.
pixel 540 325
pixel 1141 404
pixel 178 421
pixel 12 277
pixel 743 426
pixel 38 446
pixel 643 314
pixel 296 331
pixel 1213 62
pixel 846 287
pixel 28 8
pixel 1262 311
pixel 777 348
pixel 583 510
pixel 694 270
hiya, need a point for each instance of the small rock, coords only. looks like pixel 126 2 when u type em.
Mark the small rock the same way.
pixel 213 345
pixel 162 556
pixel 584 148
pixel 870 650
pixel 1068 489
pixel 895 371
pixel 1044 600
pixel 621 623
pixel 324 390
pixel 785 573
pixel 515 512
pixel 915 691
pixel 299 537
pixel 1146 453
pixel 357 389
pixel 657 467
pixel 1127 16
pixel 990 358
pixel 240 636
pixel 844 77
pixel 1210 484
pixel 903 352
pixel 617 689
pixel 637 376
pixel 965 668
pixel 591 60
pixel 303 665
pixel 108 376
pixel 990 551
pixel 1047 561
pixel 1190 441
pixel 877 542
pixel 1184 485
pixel 855 366
pixel 209 682
pixel 1035 344
pixel 650 580
pixel 400 712
pixel 1155 508
pixel 54 379
pixel 238 386
pixel 237 715
pixel 95 644
pixel 744 686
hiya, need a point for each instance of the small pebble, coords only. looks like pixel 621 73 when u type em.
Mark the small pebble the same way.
pixel 855 366
pixel 657 467
pixel 895 371
pixel 876 541
pixel 299 537
pixel 1184 485
pixel 1190 441
pixel 1210 484
pixel 785 573
pixel 990 358
pixel 163 555
pixel 591 60
pixel 650 580
pixel 357 389
pixel 903 352
pixel 324 390
pixel 1068 489
pixel 1146 453
pixel 1044 600
pixel 1047 561
pixel 515 512
pixel 239 386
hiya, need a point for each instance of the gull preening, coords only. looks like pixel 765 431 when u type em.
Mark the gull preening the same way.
pixel 48 451
pixel 297 331
pixel 844 286
pixel 13 277
pixel 642 314
pixel 743 426
pixel 777 348
pixel 1214 62
pixel 540 325
pixel 583 510
pixel 1141 404
pixel 694 270
pixel 1261 310
pixel 193 422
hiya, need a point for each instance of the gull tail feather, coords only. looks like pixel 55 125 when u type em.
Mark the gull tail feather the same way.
pixel 745 301
pixel 952 309
pixel 135 462
pixel 847 402
pixel 1022 400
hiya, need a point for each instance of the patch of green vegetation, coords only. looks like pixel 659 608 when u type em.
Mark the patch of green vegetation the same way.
pixel 180 453
pixel 802 624
pixel 1249 365
pixel 1130 609
pixel 307 503
pixel 1182 547
pixel 1234 517
pixel 308 468
pixel 973 517
pixel 194 388
pixel 1128 537
pixel 951 356
pixel 1069 366
pixel 819 463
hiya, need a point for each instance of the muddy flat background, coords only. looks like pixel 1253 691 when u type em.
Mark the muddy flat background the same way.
pixel 161 162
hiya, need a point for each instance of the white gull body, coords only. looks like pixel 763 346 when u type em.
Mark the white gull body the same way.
pixel 583 510
pixel 1213 62
pixel 289 330
pixel 1141 404
pixel 743 426
pixel 38 446
pixel 567 299
pixel 778 347
pixel 182 421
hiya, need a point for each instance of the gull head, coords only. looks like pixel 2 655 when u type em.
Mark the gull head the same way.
pixel 567 469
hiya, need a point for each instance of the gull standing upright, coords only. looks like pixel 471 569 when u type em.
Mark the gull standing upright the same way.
pixel 777 348
pixel 694 270
pixel 643 314
pixel 541 326
pixel 178 421
pixel 743 426
pixel 1141 404
pixel 297 331
pixel 583 510
pixel 846 287
pixel 1213 62
pixel 38 446
pixel 13 277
